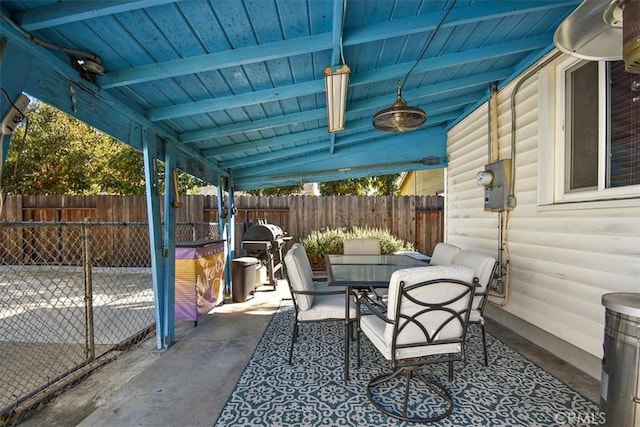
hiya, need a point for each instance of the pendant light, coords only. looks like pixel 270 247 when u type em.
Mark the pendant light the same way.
pixel 401 117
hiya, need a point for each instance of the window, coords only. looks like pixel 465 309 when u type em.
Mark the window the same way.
pixel 598 134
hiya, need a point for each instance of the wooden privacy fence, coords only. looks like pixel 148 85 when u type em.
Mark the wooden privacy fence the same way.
pixel 415 219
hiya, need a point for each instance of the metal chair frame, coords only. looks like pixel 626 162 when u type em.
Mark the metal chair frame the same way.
pixel 483 303
pixel 295 294
pixel 411 367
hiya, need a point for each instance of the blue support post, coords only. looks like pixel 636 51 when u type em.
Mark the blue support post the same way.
pixel 231 219
pixel 155 234
pixel 231 232
pixel 170 203
pixel 222 227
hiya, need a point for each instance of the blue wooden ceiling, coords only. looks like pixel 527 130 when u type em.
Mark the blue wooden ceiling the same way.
pixel 238 88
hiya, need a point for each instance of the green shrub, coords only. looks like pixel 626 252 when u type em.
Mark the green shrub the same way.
pixel 329 241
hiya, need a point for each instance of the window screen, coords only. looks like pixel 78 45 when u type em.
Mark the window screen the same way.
pixel 624 132
pixel 583 114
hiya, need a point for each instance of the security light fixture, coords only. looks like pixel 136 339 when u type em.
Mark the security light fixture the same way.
pixel 336 81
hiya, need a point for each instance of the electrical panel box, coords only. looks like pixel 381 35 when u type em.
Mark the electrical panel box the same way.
pixel 497 186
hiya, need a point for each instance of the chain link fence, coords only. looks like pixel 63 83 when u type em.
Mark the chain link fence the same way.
pixel 71 294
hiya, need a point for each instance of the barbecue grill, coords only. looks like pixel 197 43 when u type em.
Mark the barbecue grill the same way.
pixel 265 242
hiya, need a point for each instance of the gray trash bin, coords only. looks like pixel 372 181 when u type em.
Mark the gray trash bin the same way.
pixel 620 382
pixel 243 278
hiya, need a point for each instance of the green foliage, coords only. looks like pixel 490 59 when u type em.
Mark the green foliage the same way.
pixel 62 155
pixel 345 187
pixel 383 185
pixel 329 241
pixel 277 191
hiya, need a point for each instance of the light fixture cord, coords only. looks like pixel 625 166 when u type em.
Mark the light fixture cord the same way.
pixel 426 45
pixel 34 39
pixel 344 13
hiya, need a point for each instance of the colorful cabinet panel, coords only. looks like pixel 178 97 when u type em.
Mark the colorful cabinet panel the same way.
pixel 199 278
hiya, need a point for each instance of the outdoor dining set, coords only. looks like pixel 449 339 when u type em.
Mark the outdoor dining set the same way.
pixel 414 309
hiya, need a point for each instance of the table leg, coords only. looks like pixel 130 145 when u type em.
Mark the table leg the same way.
pixel 347 332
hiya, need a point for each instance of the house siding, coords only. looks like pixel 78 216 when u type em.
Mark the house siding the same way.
pixel 428 182
pixel 561 261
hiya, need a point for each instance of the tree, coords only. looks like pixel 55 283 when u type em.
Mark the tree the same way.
pixel 385 185
pixel 62 155
pixel 277 191
pixel 378 185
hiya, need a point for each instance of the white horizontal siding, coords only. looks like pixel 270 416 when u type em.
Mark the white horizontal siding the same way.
pixel 561 262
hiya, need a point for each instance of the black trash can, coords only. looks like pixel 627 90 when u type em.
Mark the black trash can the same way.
pixel 243 277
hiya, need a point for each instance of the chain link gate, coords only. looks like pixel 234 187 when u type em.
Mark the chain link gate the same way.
pixel 71 294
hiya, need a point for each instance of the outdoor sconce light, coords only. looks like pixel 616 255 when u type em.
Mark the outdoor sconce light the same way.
pixel 336 81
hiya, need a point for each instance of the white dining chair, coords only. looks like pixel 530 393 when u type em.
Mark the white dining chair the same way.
pixel 484 267
pixel 425 322
pixel 361 246
pixel 444 253
pixel 311 303
pixel 365 246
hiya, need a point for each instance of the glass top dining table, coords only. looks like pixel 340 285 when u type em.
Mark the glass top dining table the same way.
pixel 361 272
pixel 365 271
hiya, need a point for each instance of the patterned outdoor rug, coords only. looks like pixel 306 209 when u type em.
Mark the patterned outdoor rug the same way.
pixel 311 392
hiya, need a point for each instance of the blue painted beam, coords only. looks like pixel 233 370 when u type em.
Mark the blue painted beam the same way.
pixel 234 101
pixel 477 12
pixel 62 13
pixel 453 60
pixel 317 86
pixel 279 181
pixel 435 117
pixel 267 142
pixel 254 126
pixel 287 48
pixel 458 59
pixel 469 83
pixel 261 164
pixel 408 149
pixel 93 106
pixel 215 61
pixel 436 89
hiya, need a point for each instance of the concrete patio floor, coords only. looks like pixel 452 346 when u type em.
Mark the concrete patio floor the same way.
pixel 188 384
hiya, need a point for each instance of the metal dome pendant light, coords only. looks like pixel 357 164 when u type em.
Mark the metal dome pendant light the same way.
pixel 401 117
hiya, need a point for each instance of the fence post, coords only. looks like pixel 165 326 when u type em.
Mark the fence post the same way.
pixel 90 351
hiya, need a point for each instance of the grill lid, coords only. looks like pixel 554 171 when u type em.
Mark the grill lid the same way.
pixel 267 232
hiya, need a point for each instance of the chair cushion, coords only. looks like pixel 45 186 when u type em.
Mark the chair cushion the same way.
pixel 381 333
pixel 327 307
pixel 482 265
pixel 475 316
pixel 361 247
pixel 444 253
pixel 299 276
pixel 374 328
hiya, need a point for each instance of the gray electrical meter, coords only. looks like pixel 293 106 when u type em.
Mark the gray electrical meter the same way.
pixel 496 179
